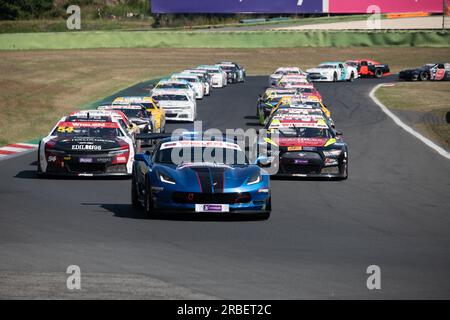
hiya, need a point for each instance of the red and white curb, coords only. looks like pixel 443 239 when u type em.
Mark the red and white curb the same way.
pixel 15 149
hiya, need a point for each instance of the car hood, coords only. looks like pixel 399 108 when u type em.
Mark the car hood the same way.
pixel 208 177
pixel 87 144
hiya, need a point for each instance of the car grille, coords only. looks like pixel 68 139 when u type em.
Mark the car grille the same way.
pixel 86 168
pixel 216 198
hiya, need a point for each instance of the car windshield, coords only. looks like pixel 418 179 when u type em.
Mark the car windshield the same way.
pixel 170 97
pixel 326 66
pixel 302 132
pixel 180 155
pixel 187 79
pixel 172 86
pixel 70 132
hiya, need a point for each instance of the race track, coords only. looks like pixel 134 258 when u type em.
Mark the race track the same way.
pixel 393 211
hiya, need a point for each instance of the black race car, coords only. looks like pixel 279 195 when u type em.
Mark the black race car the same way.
pixel 235 72
pixel 370 68
pixel 430 71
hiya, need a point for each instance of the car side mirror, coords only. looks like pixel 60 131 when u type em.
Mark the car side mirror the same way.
pixel 143 157
pixel 262 162
pixel 339 133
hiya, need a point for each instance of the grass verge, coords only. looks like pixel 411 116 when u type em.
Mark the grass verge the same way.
pixel 424 103
pixel 38 87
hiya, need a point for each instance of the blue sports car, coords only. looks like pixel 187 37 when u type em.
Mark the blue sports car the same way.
pixel 188 174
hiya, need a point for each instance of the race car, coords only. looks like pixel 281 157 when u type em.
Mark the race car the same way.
pixel 174 84
pixel 136 113
pixel 369 68
pixel 241 73
pixel 179 106
pixel 311 101
pixel 275 77
pixel 332 71
pixel 305 147
pixel 194 80
pixel 292 81
pixel 86 146
pixel 203 76
pixel 430 71
pixel 158 113
pixel 219 76
pixel 269 100
pixel 85 115
pixel 300 109
pixel 206 176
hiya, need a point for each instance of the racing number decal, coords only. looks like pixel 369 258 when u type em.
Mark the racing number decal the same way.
pixel 440 73
pixel 65 129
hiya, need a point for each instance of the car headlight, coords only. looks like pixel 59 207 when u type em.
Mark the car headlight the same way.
pixel 165 178
pixel 332 153
pixel 255 179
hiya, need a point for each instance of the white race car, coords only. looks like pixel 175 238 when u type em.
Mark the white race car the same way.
pixel 283 71
pixel 194 80
pixel 178 105
pixel 219 77
pixel 87 144
pixel 174 84
pixel 332 71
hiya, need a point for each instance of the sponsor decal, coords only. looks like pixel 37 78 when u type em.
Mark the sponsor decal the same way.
pixel 202 144
pixel 212 208
pixel 89 147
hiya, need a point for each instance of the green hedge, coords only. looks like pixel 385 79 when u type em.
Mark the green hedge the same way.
pixel 221 39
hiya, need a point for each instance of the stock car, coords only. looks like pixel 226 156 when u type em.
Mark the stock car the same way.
pixel 430 71
pixel 275 77
pixel 178 105
pixel 310 101
pixel 157 113
pixel 174 84
pixel 300 109
pixel 269 100
pixel 292 81
pixel 136 113
pixel 221 183
pixel 305 146
pixel 370 68
pixel 194 80
pixel 241 73
pixel 219 77
pixel 332 71
pixel 203 76
pixel 86 146
pixel 234 74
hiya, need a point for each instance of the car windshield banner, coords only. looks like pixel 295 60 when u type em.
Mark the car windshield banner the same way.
pixel 237 6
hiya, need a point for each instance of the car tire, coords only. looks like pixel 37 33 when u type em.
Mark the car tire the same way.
pixel 135 203
pixel 424 76
pixel 378 73
pixel 352 77
pixel 344 175
pixel 335 77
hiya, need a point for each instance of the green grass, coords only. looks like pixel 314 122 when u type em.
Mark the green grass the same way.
pixel 430 100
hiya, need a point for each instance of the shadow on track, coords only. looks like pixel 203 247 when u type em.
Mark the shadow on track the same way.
pixel 127 211
pixel 32 174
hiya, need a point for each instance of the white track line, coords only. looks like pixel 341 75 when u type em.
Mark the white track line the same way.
pixel 408 129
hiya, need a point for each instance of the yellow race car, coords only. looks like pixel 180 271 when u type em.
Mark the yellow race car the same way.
pixel 151 105
pixel 310 100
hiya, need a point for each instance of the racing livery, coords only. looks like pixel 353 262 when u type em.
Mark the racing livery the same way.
pixel 275 77
pixel 240 71
pixel 158 113
pixel 369 68
pixel 136 113
pixel 221 185
pixel 218 75
pixel 332 71
pixel 178 106
pixel 307 147
pixel 431 71
pixel 91 146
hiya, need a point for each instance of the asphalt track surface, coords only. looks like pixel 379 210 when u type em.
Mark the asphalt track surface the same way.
pixel 393 211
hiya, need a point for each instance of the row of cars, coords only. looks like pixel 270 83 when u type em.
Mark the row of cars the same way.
pixel 103 141
pixel 301 129
pixel 353 69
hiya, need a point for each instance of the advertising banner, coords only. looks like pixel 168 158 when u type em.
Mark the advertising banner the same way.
pixel 237 6
pixel 386 6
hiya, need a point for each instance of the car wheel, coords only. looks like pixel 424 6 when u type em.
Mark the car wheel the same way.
pixel 134 195
pixel 423 76
pixel 378 73
pixel 352 77
pixel 148 201
pixel 335 77
pixel 39 168
pixel 344 172
pixel 261 118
